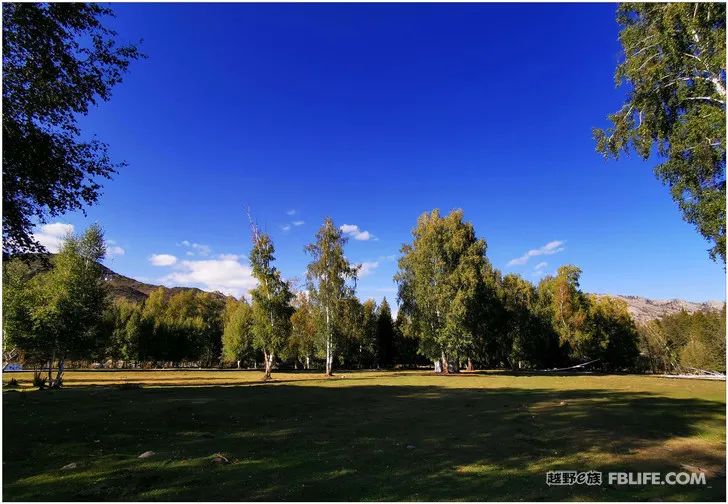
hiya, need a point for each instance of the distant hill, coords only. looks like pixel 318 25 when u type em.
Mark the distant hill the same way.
pixel 124 287
pixel 643 309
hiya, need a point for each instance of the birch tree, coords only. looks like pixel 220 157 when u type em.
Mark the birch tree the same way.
pixel 272 298
pixel 331 281
pixel 59 61
pixel 57 314
pixel 237 332
pixel 674 68
pixel 441 283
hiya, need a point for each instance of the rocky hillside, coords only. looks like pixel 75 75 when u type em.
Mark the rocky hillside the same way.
pixel 643 310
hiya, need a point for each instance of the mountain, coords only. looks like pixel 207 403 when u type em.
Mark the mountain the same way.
pixel 643 309
pixel 120 286
pixel 124 287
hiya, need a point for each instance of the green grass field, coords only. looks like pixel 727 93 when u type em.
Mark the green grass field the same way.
pixel 357 436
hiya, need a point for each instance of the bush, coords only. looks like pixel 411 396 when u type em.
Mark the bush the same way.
pixel 13 383
pixel 129 386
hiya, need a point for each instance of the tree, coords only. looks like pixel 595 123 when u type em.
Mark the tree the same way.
pixel 57 313
pixel 304 331
pixel 685 342
pixel 210 309
pixel 20 296
pixel 614 338
pixel 567 308
pixel 153 344
pixel 352 331
pixel 385 335
pixel 328 276
pixel 58 60
pixel 272 298
pixel 440 281
pixel 675 66
pixel 527 337
pixel 125 319
pixel 405 342
pixel 237 336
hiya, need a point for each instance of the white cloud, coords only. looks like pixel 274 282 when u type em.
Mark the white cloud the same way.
pixel 225 274
pixel 290 225
pixel 356 233
pixel 162 259
pixel 196 248
pixel 51 235
pixel 114 251
pixel 551 247
pixel 291 212
pixel 540 269
pixel 367 267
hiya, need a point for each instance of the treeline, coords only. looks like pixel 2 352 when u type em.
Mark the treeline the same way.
pixel 465 312
pixel 455 311
pixel 685 342
pixel 210 330
pixel 184 327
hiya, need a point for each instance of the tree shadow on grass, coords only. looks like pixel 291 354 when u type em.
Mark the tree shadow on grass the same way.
pixel 289 442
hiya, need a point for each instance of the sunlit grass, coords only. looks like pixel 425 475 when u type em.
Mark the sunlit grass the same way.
pixel 357 436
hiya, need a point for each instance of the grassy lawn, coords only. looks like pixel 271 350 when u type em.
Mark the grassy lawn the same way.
pixel 358 436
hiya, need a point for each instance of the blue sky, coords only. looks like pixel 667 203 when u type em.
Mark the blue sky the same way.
pixel 373 114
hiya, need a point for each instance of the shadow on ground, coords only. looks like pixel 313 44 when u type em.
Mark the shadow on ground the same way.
pixel 288 442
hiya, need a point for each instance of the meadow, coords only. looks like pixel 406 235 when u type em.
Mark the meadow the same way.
pixel 408 435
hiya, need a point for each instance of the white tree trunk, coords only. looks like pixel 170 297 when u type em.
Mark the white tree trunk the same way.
pixel 329 357
pixel 268 357
pixel 59 374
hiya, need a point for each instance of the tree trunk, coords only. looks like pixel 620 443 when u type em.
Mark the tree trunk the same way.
pixel 329 357
pixel 470 365
pixel 50 369
pixel 308 362
pixel 445 366
pixel 59 375
pixel 268 364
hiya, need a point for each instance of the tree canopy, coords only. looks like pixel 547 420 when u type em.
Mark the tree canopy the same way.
pixel 675 68
pixel 58 60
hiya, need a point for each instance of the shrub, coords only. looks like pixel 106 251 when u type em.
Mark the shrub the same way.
pixel 129 386
pixel 13 383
